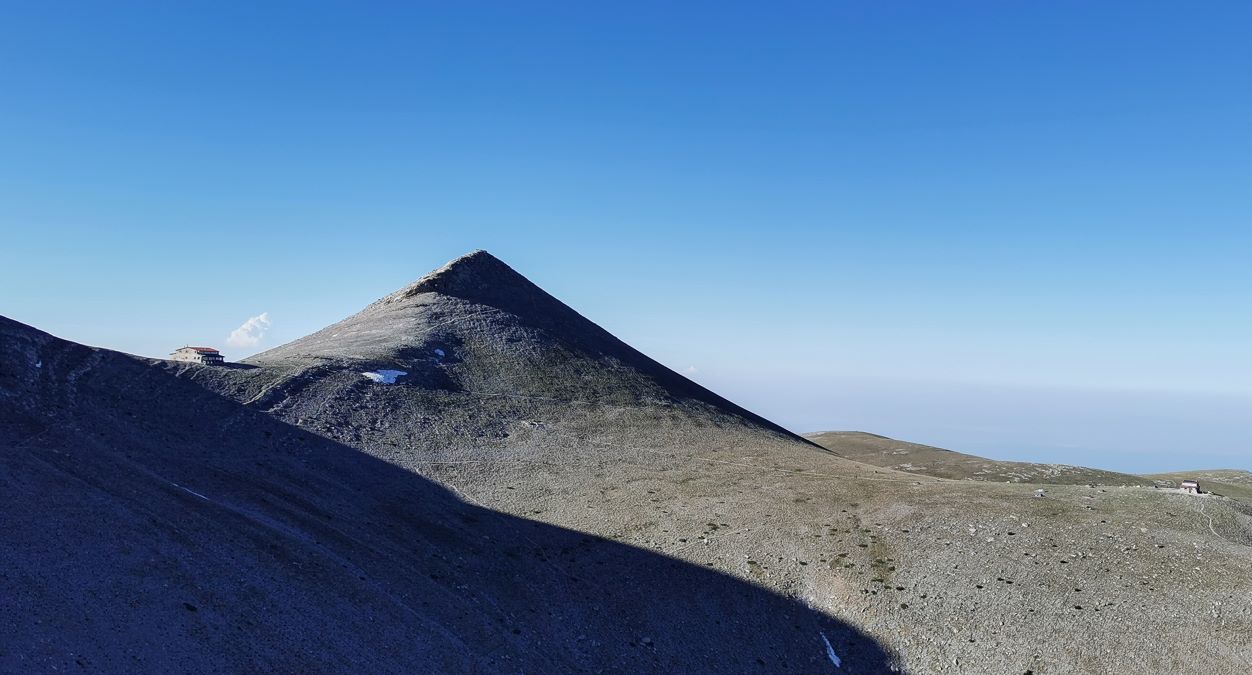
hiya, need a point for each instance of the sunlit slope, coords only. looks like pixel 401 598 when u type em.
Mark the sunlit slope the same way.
pixel 940 463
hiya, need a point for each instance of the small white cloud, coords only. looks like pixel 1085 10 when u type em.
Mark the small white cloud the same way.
pixel 251 332
pixel 691 370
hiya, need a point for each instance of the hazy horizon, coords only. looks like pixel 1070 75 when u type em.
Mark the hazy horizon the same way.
pixel 1014 230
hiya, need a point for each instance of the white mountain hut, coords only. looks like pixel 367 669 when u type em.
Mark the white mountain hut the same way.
pixel 207 356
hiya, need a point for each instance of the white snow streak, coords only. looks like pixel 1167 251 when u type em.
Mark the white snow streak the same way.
pixel 830 652
pixel 439 353
pixel 191 491
pixel 385 376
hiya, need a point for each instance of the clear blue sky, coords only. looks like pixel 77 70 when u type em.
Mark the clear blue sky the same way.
pixel 1016 228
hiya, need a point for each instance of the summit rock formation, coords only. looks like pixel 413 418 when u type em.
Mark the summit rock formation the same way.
pixel 469 476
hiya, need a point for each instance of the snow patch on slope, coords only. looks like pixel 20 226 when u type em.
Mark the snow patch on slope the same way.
pixel 830 652
pixel 385 376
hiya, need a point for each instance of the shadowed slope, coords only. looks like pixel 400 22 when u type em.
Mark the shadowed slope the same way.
pixel 153 526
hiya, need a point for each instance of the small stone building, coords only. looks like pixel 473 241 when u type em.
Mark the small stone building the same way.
pixel 203 355
pixel 1190 487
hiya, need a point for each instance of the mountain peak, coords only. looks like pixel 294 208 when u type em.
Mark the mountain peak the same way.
pixel 471 276
pixel 477 326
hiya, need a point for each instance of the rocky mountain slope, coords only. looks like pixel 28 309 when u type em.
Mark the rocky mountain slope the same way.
pixel 152 525
pixel 938 462
pixel 1233 483
pixel 467 476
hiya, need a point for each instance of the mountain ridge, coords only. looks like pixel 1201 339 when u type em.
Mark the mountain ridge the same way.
pixel 938 462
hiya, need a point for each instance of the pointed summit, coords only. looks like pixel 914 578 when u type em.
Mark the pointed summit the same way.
pixel 475 327
pixel 483 280
pixel 471 276
pixel 473 298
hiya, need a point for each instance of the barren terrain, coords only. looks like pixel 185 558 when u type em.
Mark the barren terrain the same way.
pixel 468 476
